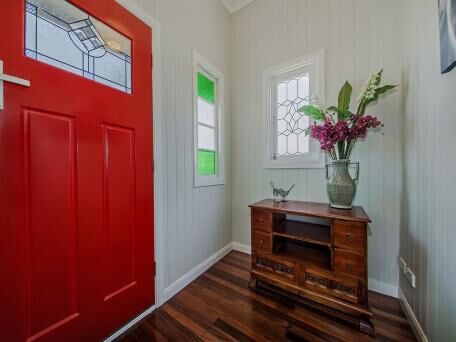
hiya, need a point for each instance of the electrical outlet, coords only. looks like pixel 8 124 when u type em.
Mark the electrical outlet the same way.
pixel 410 277
pixel 403 266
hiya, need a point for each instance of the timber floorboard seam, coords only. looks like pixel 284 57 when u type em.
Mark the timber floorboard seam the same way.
pixel 219 306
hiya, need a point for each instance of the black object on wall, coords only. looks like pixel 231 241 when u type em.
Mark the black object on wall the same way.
pixel 447 20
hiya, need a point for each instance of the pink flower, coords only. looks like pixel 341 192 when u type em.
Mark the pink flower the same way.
pixel 329 134
pixel 361 124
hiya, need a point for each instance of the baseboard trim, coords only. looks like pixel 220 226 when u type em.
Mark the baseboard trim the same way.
pixel 416 326
pixel 240 247
pixel 374 285
pixel 127 326
pixel 383 288
pixel 186 279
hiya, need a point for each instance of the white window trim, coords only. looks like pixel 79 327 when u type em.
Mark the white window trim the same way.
pixel 315 158
pixel 200 63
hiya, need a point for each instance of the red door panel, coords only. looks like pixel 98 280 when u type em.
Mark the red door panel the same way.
pixel 76 198
pixel 50 206
pixel 119 209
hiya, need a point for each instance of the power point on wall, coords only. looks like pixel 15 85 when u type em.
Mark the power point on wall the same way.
pixel 410 277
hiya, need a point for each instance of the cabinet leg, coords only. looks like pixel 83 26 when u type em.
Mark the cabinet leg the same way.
pixel 366 326
pixel 253 282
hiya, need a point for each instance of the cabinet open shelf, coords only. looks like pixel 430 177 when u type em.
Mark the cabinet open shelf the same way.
pixel 302 231
pixel 303 252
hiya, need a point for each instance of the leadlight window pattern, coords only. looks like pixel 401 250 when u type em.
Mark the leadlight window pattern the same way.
pixel 64 36
pixel 292 94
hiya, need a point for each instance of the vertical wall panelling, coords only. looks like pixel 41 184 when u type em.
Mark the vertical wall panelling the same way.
pixel 428 213
pixel 195 223
pixel 359 37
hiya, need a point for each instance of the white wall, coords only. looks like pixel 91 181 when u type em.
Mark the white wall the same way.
pixel 360 37
pixel 196 221
pixel 428 234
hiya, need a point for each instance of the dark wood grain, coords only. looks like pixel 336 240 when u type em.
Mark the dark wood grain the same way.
pixel 219 306
pixel 307 232
pixel 312 209
pixel 335 246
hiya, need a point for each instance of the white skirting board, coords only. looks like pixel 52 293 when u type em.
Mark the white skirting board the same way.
pixel 177 286
pixel 182 282
pixel 186 279
pixel 416 326
pixel 374 285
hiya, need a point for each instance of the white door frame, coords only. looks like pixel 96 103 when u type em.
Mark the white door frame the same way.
pixel 157 118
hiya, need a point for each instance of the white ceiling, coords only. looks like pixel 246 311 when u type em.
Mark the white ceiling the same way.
pixel 235 5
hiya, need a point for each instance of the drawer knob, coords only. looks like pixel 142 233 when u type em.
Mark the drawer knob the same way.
pixel 348 267
pixel 349 238
pixel 261 243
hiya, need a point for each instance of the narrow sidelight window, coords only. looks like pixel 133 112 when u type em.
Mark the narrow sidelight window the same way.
pixel 208 95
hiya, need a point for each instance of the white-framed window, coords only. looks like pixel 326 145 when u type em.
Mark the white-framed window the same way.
pixel 288 87
pixel 208 123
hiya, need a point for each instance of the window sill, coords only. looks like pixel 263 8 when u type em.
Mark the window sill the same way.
pixel 203 181
pixel 295 164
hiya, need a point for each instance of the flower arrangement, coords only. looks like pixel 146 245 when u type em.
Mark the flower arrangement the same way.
pixel 340 129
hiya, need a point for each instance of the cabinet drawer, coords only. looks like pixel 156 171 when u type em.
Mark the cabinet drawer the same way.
pixel 348 292
pixel 263 263
pixel 284 269
pixel 262 220
pixel 262 242
pixel 348 263
pixel 281 268
pixel 349 235
pixel 317 282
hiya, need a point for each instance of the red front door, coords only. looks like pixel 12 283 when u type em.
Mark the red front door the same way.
pixel 76 183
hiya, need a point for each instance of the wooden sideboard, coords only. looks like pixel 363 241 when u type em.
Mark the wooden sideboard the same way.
pixel 314 253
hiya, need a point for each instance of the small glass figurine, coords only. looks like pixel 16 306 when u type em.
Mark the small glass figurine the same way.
pixel 280 195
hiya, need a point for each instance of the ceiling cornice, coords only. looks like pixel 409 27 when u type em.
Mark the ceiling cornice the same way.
pixel 235 5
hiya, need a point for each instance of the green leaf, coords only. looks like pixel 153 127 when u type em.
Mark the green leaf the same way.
pixel 345 96
pixel 313 112
pixel 378 92
pixel 343 114
pixel 307 131
pixel 384 89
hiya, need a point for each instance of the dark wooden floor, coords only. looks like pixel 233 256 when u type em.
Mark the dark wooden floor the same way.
pixel 219 306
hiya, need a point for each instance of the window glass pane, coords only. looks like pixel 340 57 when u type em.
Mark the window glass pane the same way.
pixel 207 146
pixel 206 113
pixel 66 37
pixel 207 162
pixel 292 94
pixel 206 138
pixel 206 88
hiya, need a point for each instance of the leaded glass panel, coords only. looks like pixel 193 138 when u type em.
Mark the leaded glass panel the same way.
pixel 292 94
pixel 62 35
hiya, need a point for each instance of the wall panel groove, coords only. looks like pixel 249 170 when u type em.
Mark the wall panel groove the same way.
pixel 359 37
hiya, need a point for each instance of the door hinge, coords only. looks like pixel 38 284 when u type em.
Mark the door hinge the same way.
pixel 155 268
pixel 152 61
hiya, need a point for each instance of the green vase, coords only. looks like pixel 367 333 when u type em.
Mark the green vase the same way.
pixel 341 187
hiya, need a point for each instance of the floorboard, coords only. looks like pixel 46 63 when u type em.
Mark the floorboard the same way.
pixel 219 306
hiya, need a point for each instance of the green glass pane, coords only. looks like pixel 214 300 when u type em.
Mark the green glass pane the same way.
pixel 206 89
pixel 207 162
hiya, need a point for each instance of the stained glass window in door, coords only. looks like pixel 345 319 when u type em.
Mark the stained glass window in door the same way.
pixel 64 36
